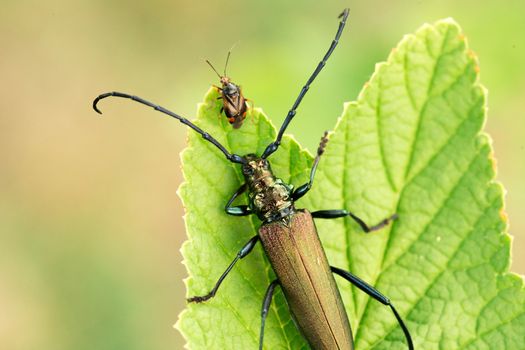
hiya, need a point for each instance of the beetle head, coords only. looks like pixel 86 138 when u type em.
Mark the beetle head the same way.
pixel 255 168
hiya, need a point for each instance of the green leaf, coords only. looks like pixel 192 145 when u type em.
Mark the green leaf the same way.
pixel 412 145
pixel 231 320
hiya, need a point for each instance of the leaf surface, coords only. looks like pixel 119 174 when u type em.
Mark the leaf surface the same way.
pixel 411 144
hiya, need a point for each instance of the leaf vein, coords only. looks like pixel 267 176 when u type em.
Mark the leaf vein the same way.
pixel 451 257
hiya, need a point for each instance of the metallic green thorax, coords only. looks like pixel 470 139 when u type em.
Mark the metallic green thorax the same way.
pixel 270 197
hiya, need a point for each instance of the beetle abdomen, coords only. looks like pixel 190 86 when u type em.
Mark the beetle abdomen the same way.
pixel 300 263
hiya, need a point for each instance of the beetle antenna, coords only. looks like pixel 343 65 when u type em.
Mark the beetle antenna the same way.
pixel 234 158
pixel 215 70
pixel 272 147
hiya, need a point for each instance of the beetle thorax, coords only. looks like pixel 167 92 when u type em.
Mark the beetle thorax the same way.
pixel 270 197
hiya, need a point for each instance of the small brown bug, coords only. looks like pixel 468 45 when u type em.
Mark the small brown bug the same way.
pixel 234 105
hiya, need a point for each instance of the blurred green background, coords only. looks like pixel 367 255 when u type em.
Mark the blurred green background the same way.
pixel 90 223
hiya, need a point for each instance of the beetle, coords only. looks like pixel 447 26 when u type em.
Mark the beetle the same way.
pixel 234 104
pixel 289 236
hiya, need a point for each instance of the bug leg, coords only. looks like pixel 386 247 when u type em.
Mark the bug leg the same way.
pixel 303 189
pixel 241 254
pixel 272 147
pixel 340 213
pixel 219 116
pixel 249 103
pixel 265 308
pixel 241 210
pixel 374 293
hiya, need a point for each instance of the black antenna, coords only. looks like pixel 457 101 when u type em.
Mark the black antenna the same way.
pixel 234 158
pixel 272 147
pixel 212 67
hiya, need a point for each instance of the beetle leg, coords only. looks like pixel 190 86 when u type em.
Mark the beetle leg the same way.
pixel 374 293
pixel 241 210
pixel 265 308
pixel 340 213
pixel 303 189
pixel 241 254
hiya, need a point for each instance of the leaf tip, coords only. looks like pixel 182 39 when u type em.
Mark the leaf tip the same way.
pixel 448 21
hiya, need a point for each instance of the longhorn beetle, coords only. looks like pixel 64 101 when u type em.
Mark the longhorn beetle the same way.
pixel 234 104
pixel 289 237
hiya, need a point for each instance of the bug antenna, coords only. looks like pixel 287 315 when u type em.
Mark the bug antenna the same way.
pixel 215 70
pixel 234 158
pixel 228 58
pixel 272 147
